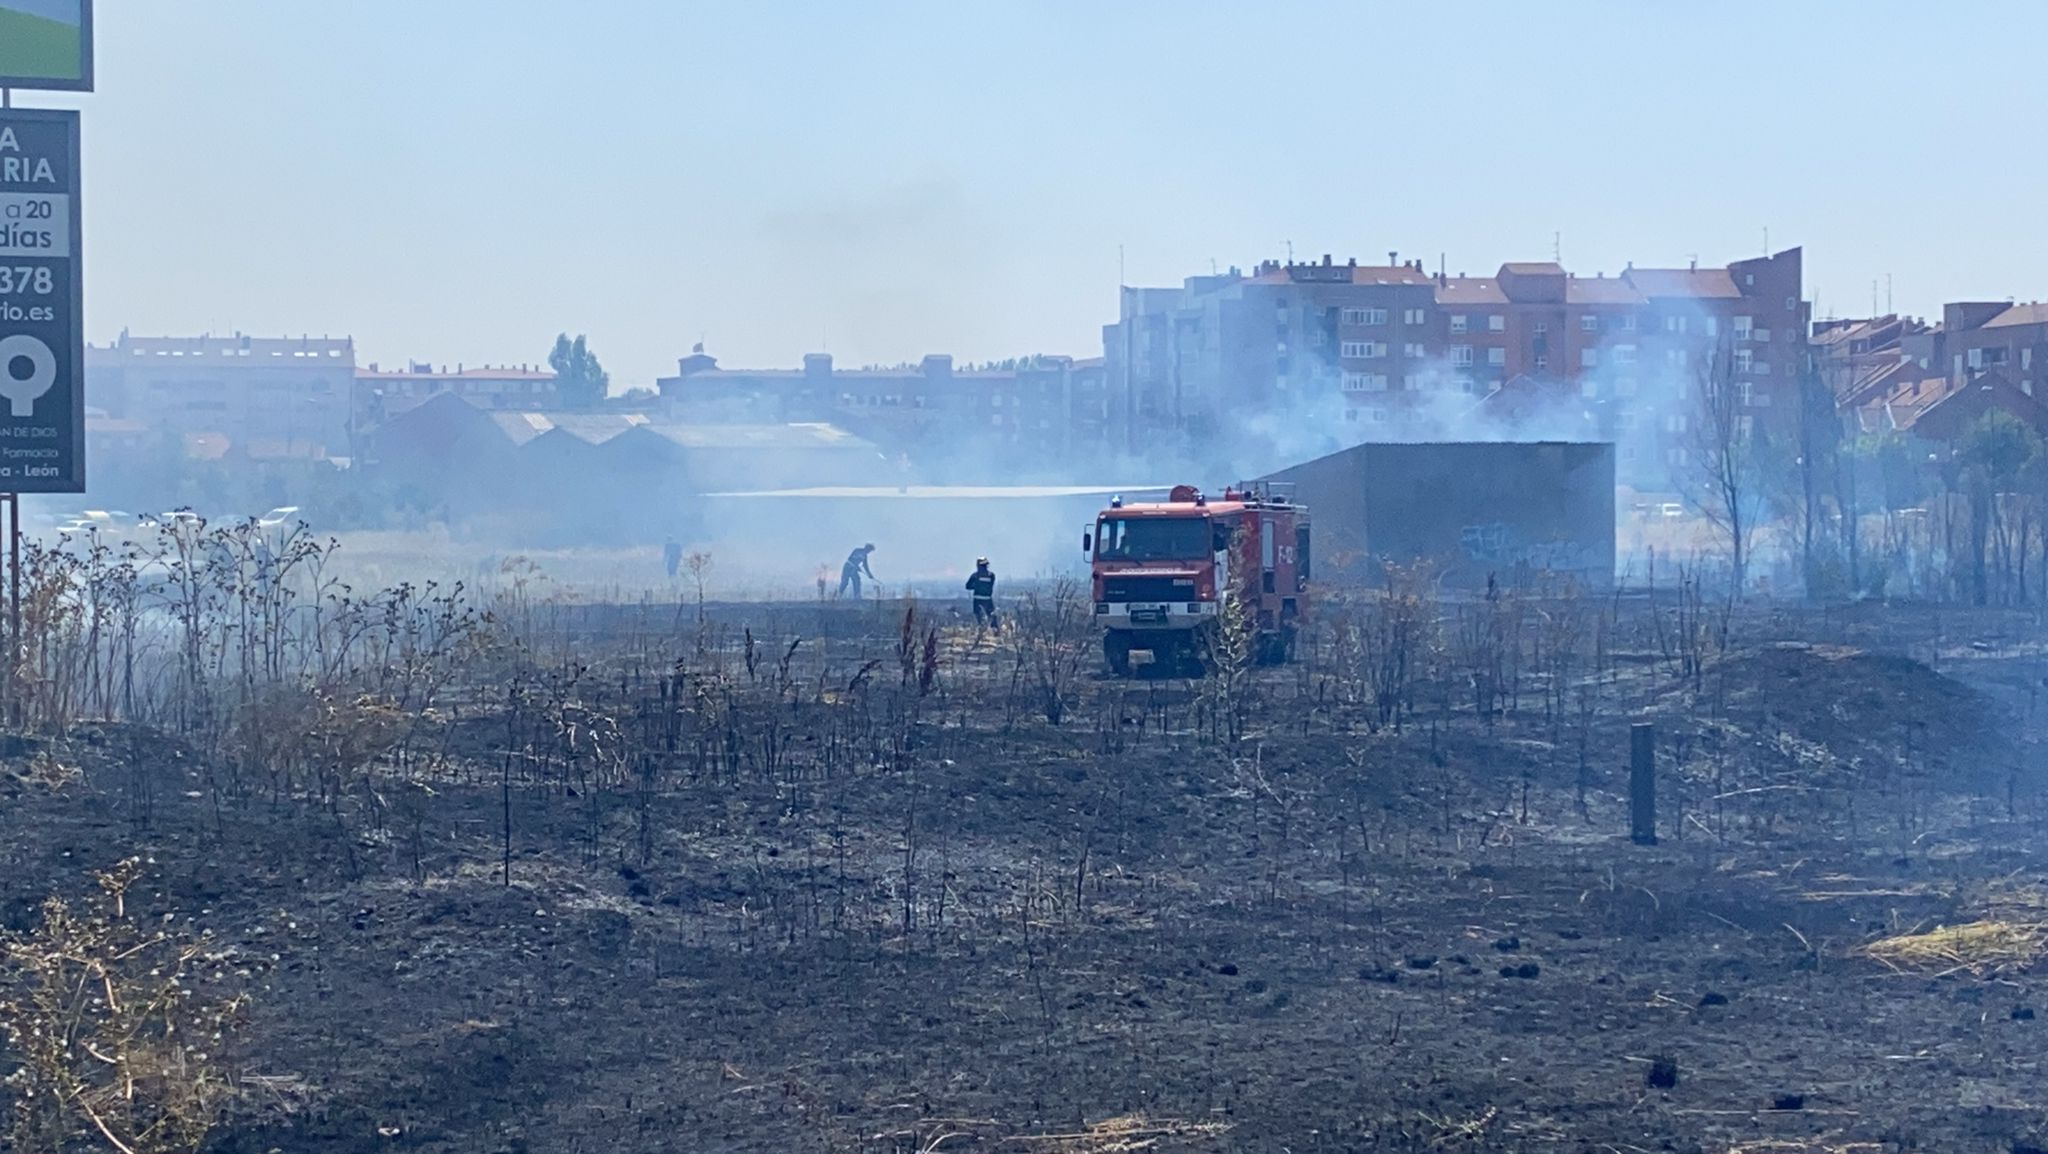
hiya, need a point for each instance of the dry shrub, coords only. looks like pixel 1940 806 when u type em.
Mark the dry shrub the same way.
pixel 1126 1133
pixel 115 1046
pixel 1980 947
pixel 1804 1146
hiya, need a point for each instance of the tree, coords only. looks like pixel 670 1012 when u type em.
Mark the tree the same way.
pixel 1723 480
pixel 1992 455
pixel 579 379
pixel 1819 460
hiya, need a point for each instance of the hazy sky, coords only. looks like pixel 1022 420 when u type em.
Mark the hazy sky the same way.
pixel 457 180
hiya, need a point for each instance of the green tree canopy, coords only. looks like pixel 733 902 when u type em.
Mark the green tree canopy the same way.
pixel 1998 446
pixel 579 379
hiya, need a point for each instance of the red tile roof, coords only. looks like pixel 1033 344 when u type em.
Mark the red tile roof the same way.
pixel 1705 283
pixel 1461 290
pixel 1389 274
pixel 482 373
pixel 2034 313
pixel 1600 291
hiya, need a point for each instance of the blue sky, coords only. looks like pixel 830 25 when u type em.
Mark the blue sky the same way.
pixel 458 180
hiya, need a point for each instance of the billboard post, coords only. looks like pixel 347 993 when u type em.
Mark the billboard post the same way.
pixel 44 44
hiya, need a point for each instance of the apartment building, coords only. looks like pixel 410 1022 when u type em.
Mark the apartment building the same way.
pixel 1979 337
pixel 990 421
pixel 1864 359
pixel 381 393
pixel 1381 343
pixel 1901 375
pixel 261 397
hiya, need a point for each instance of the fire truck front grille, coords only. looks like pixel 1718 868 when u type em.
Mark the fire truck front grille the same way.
pixel 1148 589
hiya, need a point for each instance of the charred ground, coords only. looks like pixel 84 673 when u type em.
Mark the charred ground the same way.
pixel 829 878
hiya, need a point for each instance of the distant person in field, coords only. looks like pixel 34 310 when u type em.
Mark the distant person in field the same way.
pixel 981 584
pixel 856 566
pixel 672 557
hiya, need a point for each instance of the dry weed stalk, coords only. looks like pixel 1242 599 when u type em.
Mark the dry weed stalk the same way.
pixel 116 1045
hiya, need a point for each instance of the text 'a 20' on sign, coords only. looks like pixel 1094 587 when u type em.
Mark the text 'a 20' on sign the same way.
pixel 42 336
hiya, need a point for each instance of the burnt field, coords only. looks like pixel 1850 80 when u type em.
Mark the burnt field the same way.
pixel 519 875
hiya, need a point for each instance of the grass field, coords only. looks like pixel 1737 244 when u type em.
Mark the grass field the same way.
pixel 36 46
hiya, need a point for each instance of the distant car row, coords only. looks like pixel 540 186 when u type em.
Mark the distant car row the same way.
pixel 114 522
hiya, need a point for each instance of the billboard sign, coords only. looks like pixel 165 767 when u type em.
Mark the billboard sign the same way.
pixel 42 334
pixel 46 44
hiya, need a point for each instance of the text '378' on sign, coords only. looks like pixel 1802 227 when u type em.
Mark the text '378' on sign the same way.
pixel 42 334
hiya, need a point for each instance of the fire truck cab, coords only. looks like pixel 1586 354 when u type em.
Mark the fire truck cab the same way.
pixel 1162 573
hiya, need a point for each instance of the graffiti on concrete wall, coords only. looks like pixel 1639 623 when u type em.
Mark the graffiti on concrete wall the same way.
pixel 1500 546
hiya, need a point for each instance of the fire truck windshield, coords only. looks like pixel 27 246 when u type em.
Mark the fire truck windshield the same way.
pixel 1152 539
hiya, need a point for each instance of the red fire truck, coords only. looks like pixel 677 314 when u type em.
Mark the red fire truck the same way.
pixel 1162 572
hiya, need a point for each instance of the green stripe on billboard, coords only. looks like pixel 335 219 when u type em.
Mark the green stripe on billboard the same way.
pixel 46 44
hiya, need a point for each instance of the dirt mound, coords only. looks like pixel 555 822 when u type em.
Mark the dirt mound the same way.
pixel 1865 710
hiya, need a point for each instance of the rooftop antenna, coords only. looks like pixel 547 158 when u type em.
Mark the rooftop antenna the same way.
pixel 1887 294
pixel 1873 296
pixel 1767 240
pixel 1120 280
pixel 1557 247
pixel 1290 252
pixel 1212 266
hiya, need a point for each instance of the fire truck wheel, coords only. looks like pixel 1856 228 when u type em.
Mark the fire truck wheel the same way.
pixel 1116 653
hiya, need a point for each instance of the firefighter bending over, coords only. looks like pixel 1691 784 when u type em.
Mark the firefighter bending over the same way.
pixel 982 584
pixel 856 565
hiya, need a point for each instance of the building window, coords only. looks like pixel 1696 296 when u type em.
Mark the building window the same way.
pixel 1364 316
pixel 1457 322
pixel 1675 423
pixel 1675 357
pixel 1628 323
pixel 1496 356
pixel 1542 327
pixel 1589 389
pixel 1760 336
pixel 1745 425
pixel 1589 358
pixel 1542 361
pixel 1743 359
pixel 1713 326
pixel 1589 323
pixel 1675 457
pixel 1674 324
pixel 1742 328
pixel 1377 416
pixel 1746 393
pixel 1414 316
pixel 1414 349
pixel 1624 354
pixel 1496 323
pixel 1365 382
pixel 1364 350
pixel 1461 356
